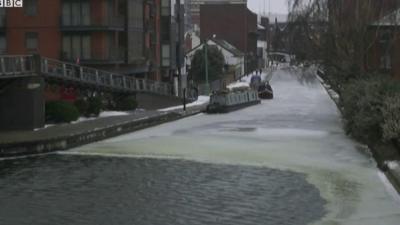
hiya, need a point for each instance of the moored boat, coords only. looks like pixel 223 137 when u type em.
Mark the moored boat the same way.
pixel 265 91
pixel 231 100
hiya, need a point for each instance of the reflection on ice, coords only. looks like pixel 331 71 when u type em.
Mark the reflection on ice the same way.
pixel 300 130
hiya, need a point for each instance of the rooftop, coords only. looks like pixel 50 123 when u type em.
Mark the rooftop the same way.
pixel 392 19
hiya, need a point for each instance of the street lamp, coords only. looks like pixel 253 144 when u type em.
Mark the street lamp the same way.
pixel 206 66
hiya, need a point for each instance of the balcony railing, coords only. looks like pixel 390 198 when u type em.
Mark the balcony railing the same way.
pixel 106 23
pixel 114 56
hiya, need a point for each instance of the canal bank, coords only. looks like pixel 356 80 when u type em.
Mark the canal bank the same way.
pixel 66 136
pixel 384 154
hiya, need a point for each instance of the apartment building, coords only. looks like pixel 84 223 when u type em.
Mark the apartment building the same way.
pixel 118 35
pixel 172 38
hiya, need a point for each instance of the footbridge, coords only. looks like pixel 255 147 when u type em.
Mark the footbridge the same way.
pixel 51 69
pixel 23 79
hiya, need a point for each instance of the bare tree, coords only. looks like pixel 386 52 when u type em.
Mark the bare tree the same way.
pixel 337 32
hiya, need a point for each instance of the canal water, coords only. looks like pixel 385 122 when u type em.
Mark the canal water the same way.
pixel 286 161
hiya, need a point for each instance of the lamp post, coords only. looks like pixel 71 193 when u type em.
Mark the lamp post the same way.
pixel 206 66
pixel 179 43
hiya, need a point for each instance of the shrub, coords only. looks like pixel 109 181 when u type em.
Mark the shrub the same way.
pixel 126 103
pixel 391 114
pixel 95 105
pixel 82 106
pixel 61 112
pixel 363 101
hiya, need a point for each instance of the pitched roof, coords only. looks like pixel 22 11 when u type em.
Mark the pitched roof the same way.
pixel 224 44
pixel 227 46
pixel 260 27
pixel 392 19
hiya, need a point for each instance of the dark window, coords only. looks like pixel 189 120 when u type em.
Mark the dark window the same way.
pixel 76 13
pixel 30 7
pixel 3 44
pixel 76 46
pixel 31 41
pixel 165 7
pixel 2 17
pixel 386 47
pixel 165 29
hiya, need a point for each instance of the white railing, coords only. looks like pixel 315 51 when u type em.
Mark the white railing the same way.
pixel 15 66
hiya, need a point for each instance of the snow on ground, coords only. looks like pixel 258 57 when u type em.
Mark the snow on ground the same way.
pixel 244 81
pixel 103 115
pixel 201 100
pixel 393 164
pixel 238 85
pixel 113 113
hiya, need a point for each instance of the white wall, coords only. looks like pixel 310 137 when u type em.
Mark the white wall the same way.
pixel 230 59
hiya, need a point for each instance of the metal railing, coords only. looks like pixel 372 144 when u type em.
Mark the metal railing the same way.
pixel 106 22
pixel 19 66
pixel 113 55
pixel 16 66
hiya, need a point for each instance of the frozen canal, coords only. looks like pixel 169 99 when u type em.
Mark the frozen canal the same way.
pixel 286 161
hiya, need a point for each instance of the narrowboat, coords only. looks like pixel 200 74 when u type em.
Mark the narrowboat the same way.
pixel 231 100
pixel 265 91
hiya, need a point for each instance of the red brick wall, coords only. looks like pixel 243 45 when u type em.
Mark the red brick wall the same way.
pixel 45 23
pixel 228 22
pixel 251 28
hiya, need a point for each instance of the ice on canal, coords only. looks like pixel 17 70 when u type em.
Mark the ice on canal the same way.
pixel 300 131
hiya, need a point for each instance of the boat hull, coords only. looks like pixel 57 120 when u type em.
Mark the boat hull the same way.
pixel 216 108
pixel 266 95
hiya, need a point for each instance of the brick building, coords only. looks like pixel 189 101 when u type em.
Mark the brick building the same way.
pixel 193 9
pixel 384 53
pixel 234 23
pixel 382 40
pixel 118 35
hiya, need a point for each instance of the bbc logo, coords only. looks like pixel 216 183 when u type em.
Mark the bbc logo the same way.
pixel 11 3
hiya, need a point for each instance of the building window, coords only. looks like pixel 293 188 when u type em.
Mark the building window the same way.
pixel 385 46
pixel 165 7
pixel 165 52
pixel 386 61
pixel 3 45
pixel 85 13
pixel 31 41
pixel 2 16
pixel 76 46
pixel 86 47
pixel 30 7
pixel 66 14
pixel 165 29
pixel 76 13
pixel 66 47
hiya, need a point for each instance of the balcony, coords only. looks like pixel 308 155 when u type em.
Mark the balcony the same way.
pixel 116 23
pixel 114 56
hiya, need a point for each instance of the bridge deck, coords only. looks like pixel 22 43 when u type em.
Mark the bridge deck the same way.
pixel 27 65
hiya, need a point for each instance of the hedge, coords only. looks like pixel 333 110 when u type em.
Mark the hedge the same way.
pixel 61 112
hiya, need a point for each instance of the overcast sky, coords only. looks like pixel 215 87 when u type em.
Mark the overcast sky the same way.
pixel 277 6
